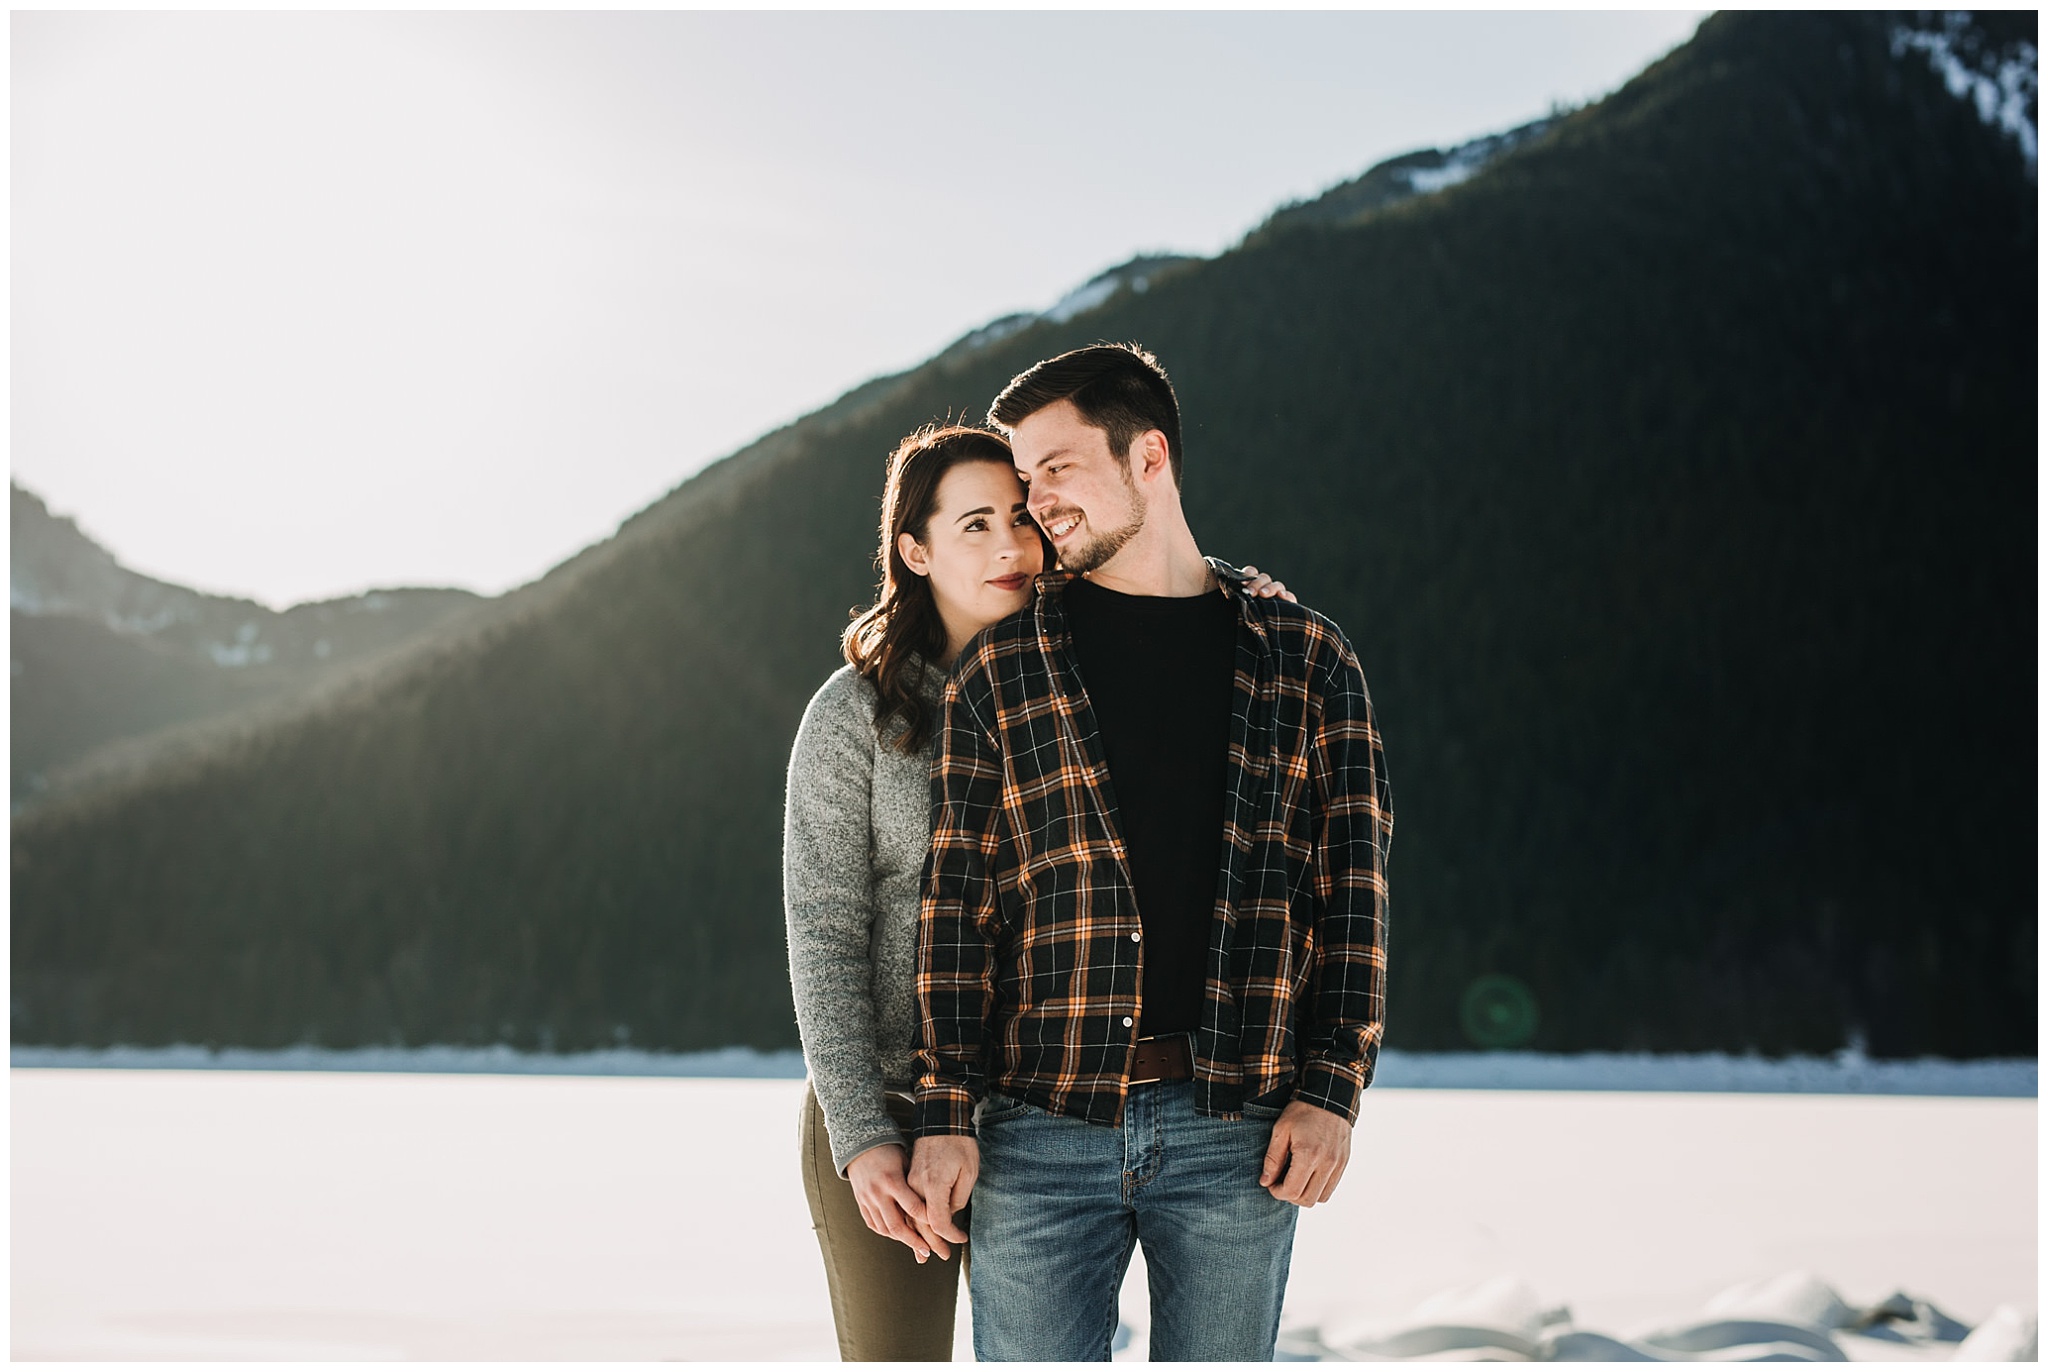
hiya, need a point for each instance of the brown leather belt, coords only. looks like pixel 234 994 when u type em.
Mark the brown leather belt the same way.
pixel 1162 1059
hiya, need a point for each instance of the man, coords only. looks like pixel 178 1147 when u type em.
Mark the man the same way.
pixel 1152 948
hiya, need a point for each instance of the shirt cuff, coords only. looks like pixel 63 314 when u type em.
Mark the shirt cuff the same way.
pixel 944 1109
pixel 1334 1087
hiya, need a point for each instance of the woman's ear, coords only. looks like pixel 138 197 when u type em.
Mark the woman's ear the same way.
pixel 913 554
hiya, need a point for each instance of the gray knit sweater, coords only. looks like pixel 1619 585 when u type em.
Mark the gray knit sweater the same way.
pixel 856 828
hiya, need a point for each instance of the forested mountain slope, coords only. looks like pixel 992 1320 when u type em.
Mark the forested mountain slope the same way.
pixel 105 660
pixel 1673 475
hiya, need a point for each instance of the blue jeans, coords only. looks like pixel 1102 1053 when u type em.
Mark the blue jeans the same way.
pixel 1060 1202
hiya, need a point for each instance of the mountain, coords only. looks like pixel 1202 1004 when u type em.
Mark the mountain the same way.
pixel 1135 276
pixel 1672 474
pixel 1406 177
pixel 104 659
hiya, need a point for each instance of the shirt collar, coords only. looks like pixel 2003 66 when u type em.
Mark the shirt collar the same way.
pixel 1050 612
pixel 1230 576
pixel 1057 579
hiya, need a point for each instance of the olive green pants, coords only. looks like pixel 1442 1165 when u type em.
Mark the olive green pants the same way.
pixel 886 1305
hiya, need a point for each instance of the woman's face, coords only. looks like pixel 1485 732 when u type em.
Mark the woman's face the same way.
pixel 981 549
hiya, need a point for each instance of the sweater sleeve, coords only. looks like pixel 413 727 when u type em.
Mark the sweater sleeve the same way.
pixel 828 913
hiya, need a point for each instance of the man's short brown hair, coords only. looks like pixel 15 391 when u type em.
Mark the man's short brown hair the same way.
pixel 1119 388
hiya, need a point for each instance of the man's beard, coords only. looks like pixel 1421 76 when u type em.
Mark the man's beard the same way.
pixel 1089 556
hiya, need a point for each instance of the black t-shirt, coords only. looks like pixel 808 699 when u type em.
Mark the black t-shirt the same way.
pixel 1159 673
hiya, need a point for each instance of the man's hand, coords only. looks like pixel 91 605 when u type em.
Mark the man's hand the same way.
pixel 1306 1158
pixel 887 1203
pixel 943 1168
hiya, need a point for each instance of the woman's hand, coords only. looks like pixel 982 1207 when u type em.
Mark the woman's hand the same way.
pixel 1265 587
pixel 887 1203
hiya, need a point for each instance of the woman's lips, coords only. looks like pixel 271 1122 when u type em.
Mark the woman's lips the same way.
pixel 1013 582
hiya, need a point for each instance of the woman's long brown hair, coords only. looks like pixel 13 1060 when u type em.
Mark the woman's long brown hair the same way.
pixel 901 636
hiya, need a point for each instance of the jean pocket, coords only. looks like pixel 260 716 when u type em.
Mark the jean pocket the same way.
pixel 1000 1109
pixel 1255 1111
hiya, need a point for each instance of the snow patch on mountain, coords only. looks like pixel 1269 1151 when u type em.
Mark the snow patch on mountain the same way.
pixel 1399 178
pixel 1469 158
pixel 2002 95
pixel 993 333
pixel 245 651
pixel 1081 300
pixel 1407 177
pixel 1474 155
pixel 149 623
pixel 1135 276
pixel 1428 180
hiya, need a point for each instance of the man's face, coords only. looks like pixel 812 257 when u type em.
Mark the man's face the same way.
pixel 1081 495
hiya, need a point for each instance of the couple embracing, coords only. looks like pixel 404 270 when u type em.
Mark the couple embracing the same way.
pixel 1085 876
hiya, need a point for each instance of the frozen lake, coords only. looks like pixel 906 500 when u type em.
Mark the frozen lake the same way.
pixel 353 1215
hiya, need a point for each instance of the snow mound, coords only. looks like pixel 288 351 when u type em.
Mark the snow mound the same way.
pixel 1792 1317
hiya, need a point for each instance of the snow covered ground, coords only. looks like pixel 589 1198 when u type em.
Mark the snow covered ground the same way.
pixel 229 1214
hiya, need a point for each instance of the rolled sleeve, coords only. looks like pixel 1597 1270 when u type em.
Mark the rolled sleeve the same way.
pixel 1353 826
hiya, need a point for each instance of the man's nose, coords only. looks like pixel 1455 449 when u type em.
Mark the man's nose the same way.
pixel 1040 498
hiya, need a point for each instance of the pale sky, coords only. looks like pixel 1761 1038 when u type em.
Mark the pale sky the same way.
pixel 309 303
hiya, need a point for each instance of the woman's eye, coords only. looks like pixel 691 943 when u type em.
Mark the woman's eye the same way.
pixel 977 526
pixel 1021 520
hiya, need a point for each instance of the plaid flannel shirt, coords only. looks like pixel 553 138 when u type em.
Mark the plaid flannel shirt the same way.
pixel 1029 943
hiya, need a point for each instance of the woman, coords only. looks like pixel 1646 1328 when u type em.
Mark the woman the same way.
pixel 959 551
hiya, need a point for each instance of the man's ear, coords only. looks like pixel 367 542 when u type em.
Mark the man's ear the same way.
pixel 1150 456
pixel 913 554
